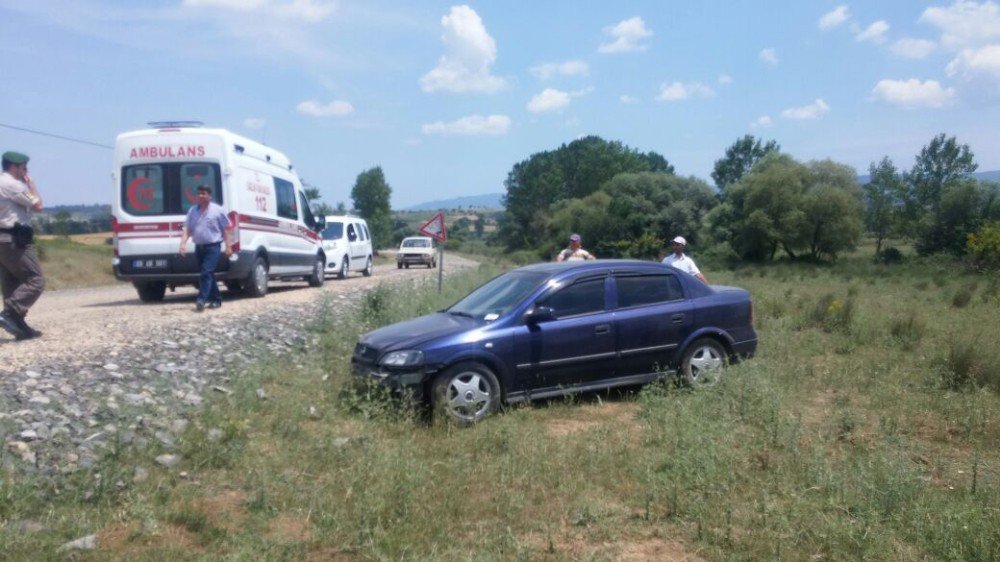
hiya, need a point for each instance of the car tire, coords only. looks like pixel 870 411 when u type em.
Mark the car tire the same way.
pixel 256 283
pixel 465 394
pixel 399 265
pixel 151 291
pixel 367 271
pixel 319 272
pixel 345 268
pixel 704 363
pixel 407 266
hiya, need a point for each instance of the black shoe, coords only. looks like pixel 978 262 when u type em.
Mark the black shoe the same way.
pixel 9 322
pixel 215 304
pixel 199 306
pixel 28 331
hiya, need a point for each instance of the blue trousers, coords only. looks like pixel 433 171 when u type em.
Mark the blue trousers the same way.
pixel 208 258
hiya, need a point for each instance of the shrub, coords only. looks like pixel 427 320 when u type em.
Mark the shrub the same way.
pixel 967 364
pixel 908 330
pixel 890 256
pixel 962 297
pixel 984 247
pixel 832 314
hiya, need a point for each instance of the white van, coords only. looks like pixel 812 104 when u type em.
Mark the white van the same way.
pixel 348 245
pixel 157 172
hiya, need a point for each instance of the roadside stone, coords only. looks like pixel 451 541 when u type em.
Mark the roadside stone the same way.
pixel 139 475
pixel 88 542
pixel 168 461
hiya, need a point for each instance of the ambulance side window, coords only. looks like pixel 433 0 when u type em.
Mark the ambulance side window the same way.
pixel 285 193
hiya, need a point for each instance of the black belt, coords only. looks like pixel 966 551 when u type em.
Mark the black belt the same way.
pixel 209 244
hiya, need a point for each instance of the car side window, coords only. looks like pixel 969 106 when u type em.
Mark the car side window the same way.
pixel 640 290
pixel 582 297
pixel 361 233
pixel 351 234
pixel 364 227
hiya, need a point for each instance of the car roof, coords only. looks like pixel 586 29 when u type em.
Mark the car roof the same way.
pixel 588 265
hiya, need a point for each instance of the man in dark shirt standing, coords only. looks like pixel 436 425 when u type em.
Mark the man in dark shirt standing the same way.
pixel 208 225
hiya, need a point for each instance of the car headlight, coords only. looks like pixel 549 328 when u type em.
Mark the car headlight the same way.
pixel 409 358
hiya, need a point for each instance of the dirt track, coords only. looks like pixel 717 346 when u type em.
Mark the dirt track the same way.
pixel 75 321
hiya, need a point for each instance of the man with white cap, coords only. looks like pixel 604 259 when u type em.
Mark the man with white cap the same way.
pixel 575 252
pixel 681 261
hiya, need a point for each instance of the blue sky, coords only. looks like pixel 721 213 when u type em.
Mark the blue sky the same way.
pixel 446 97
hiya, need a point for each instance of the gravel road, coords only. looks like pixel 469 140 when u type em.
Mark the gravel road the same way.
pixel 104 352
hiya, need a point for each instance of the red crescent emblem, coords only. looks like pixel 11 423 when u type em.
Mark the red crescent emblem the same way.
pixel 191 198
pixel 133 197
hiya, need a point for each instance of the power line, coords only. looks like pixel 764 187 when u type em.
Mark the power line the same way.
pixel 44 134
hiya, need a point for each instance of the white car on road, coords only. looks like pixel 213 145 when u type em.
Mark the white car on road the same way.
pixel 416 250
pixel 348 245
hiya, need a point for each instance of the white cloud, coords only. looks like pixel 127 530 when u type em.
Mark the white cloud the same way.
pixel 965 24
pixel 834 17
pixel 336 108
pixel 678 91
pixel 470 51
pixel 628 35
pixel 913 93
pixel 913 48
pixel 815 110
pixel 254 122
pixel 725 79
pixel 874 32
pixel 470 126
pixel 768 56
pixel 547 70
pixel 309 11
pixel 972 64
pixel 761 122
pixel 549 99
pixel 628 100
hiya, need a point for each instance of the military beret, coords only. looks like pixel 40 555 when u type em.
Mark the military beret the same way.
pixel 15 157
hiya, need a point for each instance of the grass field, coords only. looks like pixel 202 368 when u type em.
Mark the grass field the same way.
pixel 82 260
pixel 868 427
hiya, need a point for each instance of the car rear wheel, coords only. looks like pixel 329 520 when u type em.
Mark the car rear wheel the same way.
pixel 319 272
pixel 399 265
pixel 465 394
pixel 367 272
pixel 256 284
pixel 345 267
pixel 704 363
pixel 150 291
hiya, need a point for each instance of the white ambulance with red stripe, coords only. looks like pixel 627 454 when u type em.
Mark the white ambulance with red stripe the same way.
pixel 156 176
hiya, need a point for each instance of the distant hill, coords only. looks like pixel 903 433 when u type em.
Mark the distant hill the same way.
pixel 485 201
pixel 993 175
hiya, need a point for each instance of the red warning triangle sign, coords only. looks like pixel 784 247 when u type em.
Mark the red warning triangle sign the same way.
pixel 435 228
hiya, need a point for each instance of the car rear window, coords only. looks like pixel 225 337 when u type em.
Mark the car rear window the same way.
pixel 640 290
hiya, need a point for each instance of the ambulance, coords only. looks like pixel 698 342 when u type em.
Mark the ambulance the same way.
pixel 156 176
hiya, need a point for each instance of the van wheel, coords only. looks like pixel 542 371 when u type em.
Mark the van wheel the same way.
pixel 399 265
pixel 345 267
pixel 407 266
pixel 150 291
pixel 318 275
pixel 256 284
pixel 234 286
pixel 465 394
pixel 368 268
pixel 704 363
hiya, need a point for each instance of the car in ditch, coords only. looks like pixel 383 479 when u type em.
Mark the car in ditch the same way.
pixel 553 329
pixel 416 250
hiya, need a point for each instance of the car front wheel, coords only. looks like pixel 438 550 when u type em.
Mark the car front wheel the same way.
pixel 367 272
pixel 704 363
pixel 465 394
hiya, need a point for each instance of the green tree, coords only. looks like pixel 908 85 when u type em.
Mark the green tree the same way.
pixel 572 171
pixel 884 192
pixel 740 158
pixel 61 223
pixel 371 196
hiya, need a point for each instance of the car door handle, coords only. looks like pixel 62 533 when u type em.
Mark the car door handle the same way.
pixel 677 318
pixel 602 329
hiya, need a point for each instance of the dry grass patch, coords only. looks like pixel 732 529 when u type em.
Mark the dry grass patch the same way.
pixel 589 416
pixel 287 529
pixel 127 541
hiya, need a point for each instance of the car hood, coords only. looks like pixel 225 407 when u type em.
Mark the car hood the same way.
pixel 412 333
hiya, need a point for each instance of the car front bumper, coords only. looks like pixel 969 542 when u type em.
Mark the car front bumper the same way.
pixel 399 383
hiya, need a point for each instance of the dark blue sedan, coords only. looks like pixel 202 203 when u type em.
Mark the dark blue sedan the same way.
pixel 556 328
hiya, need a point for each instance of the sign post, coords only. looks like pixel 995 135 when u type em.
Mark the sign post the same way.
pixel 435 229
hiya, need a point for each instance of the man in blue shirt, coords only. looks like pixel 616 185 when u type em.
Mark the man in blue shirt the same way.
pixel 208 225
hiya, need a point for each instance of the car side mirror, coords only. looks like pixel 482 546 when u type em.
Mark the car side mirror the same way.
pixel 539 314
pixel 320 221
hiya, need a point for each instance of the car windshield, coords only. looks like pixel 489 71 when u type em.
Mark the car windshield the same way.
pixel 416 243
pixel 497 297
pixel 333 231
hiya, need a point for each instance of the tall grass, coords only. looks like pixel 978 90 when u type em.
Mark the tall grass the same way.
pixel 801 453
